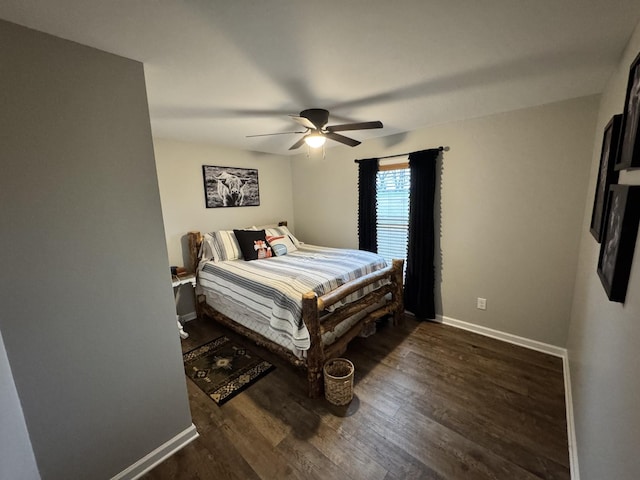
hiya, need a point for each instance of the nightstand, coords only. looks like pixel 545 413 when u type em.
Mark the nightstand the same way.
pixel 178 281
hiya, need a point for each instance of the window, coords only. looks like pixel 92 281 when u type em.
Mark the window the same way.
pixel 393 183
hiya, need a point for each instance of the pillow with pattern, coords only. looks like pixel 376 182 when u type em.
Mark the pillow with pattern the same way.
pixel 280 244
pixel 253 244
pixel 287 237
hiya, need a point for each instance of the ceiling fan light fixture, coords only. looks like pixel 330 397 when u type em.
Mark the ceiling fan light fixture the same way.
pixel 315 140
pixel 314 120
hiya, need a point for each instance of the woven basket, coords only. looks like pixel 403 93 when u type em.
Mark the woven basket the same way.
pixel 338 381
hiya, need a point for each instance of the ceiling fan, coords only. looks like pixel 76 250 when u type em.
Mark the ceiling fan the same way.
pixel 316 133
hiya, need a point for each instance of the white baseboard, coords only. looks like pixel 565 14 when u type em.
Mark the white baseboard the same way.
pixel 187 317
pixel 540 347
pixel 160 454
pixel 571 427
pixel 505 337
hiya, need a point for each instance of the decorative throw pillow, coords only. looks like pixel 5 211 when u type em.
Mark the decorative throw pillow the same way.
pixel 289 240
pixel 223 245
pixel 280 244
pixel 253 244
pixel 279 250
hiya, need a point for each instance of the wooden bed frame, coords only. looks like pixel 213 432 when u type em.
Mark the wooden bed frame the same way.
pixel 312 307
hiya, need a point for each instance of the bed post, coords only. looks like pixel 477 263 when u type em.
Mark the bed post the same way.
pixel 315 354
pixel 397 294
pixel 194 241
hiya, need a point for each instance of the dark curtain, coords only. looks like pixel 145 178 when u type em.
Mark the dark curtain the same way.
pixel 367 231
pixel 419 285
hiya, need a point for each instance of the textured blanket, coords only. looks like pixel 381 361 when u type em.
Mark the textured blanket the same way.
pixel 272 288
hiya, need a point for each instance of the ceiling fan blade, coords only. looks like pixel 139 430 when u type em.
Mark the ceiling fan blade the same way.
pixel 304 121
pixel 298 144
pixel 341 138
pixel 269 134
pixel 354 126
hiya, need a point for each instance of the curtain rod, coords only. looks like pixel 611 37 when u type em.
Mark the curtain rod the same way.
pixel 441 148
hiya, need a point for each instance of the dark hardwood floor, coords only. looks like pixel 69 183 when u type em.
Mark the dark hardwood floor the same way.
pixel 431 402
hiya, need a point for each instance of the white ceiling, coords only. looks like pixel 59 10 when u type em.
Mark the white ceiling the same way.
pixel 218 70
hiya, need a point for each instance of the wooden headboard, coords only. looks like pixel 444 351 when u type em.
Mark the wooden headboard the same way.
pixel 195 241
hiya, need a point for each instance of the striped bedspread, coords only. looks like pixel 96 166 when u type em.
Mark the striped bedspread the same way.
pixel 272 288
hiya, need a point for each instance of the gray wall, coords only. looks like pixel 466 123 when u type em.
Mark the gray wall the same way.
pixel 604 337
pixel 512 200
pixel 88 318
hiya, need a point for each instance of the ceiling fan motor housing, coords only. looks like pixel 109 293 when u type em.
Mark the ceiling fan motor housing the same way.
pixel 318 116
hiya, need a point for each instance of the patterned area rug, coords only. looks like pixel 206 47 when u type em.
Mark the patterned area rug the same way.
pixel 222 368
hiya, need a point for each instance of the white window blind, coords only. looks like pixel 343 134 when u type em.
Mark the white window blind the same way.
pixel 393 212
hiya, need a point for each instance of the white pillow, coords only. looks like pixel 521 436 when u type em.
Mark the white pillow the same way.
pixel 264 227
pixel 283 230
pixel 222 245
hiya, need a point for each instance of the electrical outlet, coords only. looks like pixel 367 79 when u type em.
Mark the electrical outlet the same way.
pixel 482 303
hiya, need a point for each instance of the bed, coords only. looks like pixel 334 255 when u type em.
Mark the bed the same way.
pixel 305 305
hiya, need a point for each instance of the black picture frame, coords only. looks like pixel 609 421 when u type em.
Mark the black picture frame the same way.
pixel 607 174
pixel 230 186
pixel 629 156
pixel 619 240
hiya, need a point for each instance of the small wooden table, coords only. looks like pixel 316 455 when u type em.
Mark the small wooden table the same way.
pixel 178 281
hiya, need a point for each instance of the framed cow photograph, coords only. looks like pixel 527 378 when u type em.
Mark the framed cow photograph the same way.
pixel 230 187
pixel 619 240
pixel 629 157
pixel 607 175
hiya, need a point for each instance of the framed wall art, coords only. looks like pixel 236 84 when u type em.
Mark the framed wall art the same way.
pixel 230 187
pixel 630 149
pixel 606 174
pixel 619 240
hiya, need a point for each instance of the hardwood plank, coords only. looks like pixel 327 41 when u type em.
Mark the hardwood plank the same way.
pixel 471 382
pixel 305 421
pixel 336 446
pixel 448 453
pixel 269 426
pixel 515 352
pixel 210 455
pixel 466 385
pixel 531 375
pixel 530 452
pixel 433 402
pixel 475 380
pixel 502 403
pixel 533 453
pixel 356 429
pixel 503 377
pixel 264 459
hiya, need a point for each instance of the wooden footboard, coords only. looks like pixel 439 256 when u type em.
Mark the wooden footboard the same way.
pixel 312 308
